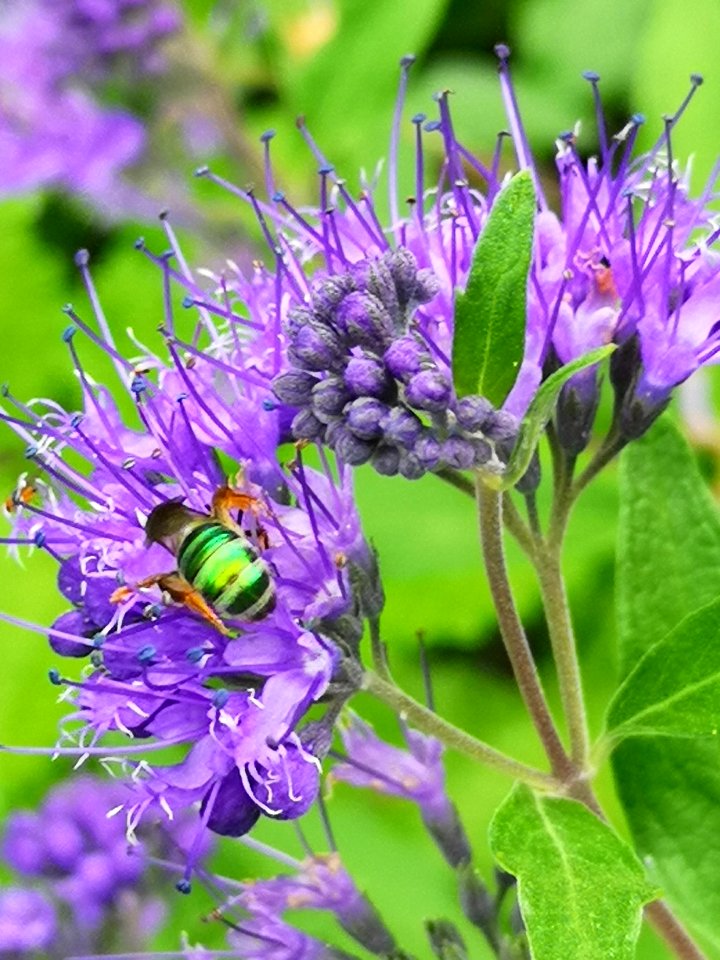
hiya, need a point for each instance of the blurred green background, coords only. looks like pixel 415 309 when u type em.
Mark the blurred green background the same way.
pixel 335 61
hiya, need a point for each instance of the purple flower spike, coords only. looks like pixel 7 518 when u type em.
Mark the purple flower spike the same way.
pixel 57 57
pixel 28 922
pixel 229 692
pixel 628 254
pixel 414 774
pixel 321 883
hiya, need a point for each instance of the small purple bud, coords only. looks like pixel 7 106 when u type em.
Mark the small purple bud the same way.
pixel 296 318
pixel 329 397
pixel 365 321
pixel 403 269
pixel 473 413
pixel 365 377
pixel 410 467
pixel 458 453
pixel 364 417
pixel 426 287
pixel 502 427
pixel 375 277
pixel 428 451
pixel 402 427
pixel 317 347
pixel 328 293
pixel 428 390
pixel 306 426
pixel 75 623
pixel 351 449
pixel 294 387
pixel 576 409
pixel 386 460
pixel 483 451
pixel 405 357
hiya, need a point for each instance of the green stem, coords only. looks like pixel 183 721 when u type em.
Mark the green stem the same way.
pixel 457 480
pixel 490 507
pixel 451 736
pixel 564 648
pixel 378 650
pixel 608 451
pixel 661 918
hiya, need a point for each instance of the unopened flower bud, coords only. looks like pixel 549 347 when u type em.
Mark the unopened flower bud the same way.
pixel 473 413
pixel 364 417
pixel 365 321
pixel 316 347
pixel 296 318
pixel 426 287
pixel 428 450
pixel 306 426
pixel 404 270
pixel 329 397
pixel 351 449
pixel 405 357
pixel 428 390
pixel 410 466
pixel 329 292
pixel 386 460
pixel 402 426
pixel 458 453
pixel 376 278
pixel 294 387
pixel 576 408
pixel 365 377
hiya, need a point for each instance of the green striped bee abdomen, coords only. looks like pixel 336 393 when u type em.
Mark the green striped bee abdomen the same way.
pixel 226 569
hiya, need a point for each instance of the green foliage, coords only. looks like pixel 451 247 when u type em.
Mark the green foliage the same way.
pixel 675 688
pixel 683 45
pixel 541 409
pixel 490 314
pixel 668 567
pixel 581 888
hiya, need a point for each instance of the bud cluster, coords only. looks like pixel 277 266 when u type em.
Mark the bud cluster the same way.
pixel 366 382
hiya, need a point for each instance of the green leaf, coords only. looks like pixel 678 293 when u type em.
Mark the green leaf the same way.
pixel 675 688
pixel 669 566
pixel 581 888
pixel 669 543
pixel 539 412
pixel 490 314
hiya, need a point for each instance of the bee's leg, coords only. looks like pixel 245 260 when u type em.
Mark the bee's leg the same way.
pixel 226 499
pixel 181 591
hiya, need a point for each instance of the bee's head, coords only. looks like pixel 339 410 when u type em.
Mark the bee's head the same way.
pixel 168 523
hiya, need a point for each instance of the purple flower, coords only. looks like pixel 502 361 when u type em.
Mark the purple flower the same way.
pixel 321 883
pixel 28 922
pixel 79 852
pixel 627 259
pixel 263 936
pixel 173 674
pixel 54 131
pixel 415 774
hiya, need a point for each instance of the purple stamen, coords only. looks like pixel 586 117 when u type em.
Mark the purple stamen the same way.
pixel 405 65
pixel 265 139
pixel 121 364
pixel 520 141
pixel 82 259
pixel 594 80
pixel 418 120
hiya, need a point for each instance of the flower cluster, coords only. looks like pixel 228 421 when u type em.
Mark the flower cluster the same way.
pixel 233 694
pixel 85 878
pixel 53 130
pixel 364 380
pixel 28 922
pixel 628 259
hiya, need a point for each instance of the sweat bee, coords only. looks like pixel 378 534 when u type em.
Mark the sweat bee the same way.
pixel 219 573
